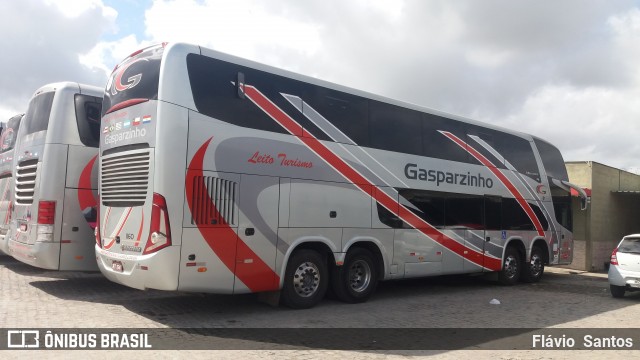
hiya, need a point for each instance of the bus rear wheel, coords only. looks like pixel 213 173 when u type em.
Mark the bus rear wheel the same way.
pixel 306 280
pixel 533 270
pixel 357 279
pixel 511 267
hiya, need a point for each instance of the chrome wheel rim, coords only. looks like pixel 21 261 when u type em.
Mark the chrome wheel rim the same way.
pixel 511 266
pixel 536 265
pixel 359 275
pixel 306 279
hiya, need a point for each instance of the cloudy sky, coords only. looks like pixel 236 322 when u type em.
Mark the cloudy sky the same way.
pixel 566 70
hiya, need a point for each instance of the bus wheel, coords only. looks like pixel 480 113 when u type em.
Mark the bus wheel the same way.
pixel 511 267
pixel 305 281
pixel 534 269
pixel 357 279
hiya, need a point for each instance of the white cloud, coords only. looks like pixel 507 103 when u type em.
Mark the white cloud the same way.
pixel 251 29
pixel 564 72
pixel 45 46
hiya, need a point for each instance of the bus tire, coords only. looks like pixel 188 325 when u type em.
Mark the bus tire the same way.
pixel 617 291
pixel 357 279
pixel 534 269
pixel 511 267
pixel 306 279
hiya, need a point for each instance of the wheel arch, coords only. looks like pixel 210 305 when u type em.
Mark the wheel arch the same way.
pixel 319 244
pixel 373 246
pixel 518 244
pixel 543 245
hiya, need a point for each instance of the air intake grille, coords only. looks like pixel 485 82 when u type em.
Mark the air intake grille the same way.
pixel 26 181
pixel 125 179
pixel 221 209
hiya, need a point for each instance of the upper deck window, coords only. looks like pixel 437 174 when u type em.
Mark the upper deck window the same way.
pixel 38 113
pixel 135 78
pixel 552 160
pixel 88 119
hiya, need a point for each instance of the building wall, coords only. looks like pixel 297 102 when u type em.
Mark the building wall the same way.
pixel 610 215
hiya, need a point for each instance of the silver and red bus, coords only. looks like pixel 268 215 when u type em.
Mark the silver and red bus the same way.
pixel 222 175
pixel 8 140
pixel 56 170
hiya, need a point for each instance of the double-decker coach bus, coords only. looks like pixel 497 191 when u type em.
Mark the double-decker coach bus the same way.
pixel 222 175
pixel 56 174
pixel 7 145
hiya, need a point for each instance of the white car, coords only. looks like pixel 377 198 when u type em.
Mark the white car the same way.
pixel 624 271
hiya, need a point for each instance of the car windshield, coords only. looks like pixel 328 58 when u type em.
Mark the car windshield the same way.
pixel 630 246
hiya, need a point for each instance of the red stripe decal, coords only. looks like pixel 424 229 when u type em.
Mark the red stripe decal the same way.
pixel 223 240
pixel 140 230
pixel 365 185
pixel 85 193
pixel 503 179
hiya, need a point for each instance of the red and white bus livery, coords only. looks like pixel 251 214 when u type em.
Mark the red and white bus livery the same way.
pixel 218 174
pixel 7 144
pixel 56 171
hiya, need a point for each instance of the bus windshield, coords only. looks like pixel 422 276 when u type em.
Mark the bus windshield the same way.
pixel 134 80
pixel 39 110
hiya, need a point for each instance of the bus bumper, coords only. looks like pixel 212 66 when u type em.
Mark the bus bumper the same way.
pixel 45 255
pixel 154 271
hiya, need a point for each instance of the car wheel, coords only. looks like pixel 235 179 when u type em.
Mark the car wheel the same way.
pixel 511 267
pixel 357 279
pixel 306 280
pixel 533 270
pixel 617 291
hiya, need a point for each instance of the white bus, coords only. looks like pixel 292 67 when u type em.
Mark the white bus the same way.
pixel 56 174
pixel 7 145
pixel 222 175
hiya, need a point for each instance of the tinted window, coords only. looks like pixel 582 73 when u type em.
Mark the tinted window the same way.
pixel 388 218
pixel 347 112
pixel 215 95
pixel 436 145
pixel 561 205
pixel 552 160
pixel 37 116
pixel 519 153
pixel 88 110
pixel 514 217
pixel 394 128
pixel 430 206
pixel 478 137
pixel 492 213
pixel 135 78
pixel 9 133
pixel 464 211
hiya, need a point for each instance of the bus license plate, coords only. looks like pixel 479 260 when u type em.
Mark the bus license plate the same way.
pixel 116 266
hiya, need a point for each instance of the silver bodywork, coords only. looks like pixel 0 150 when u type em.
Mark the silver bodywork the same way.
pixel 210 170
pixel 65 173
pixel 627 272
pixel 7 165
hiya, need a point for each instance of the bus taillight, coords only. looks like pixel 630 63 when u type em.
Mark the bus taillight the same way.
pixel 159 230
pixel 46 212
pixel 46 219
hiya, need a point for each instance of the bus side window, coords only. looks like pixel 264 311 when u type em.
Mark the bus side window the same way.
pixel 88 109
